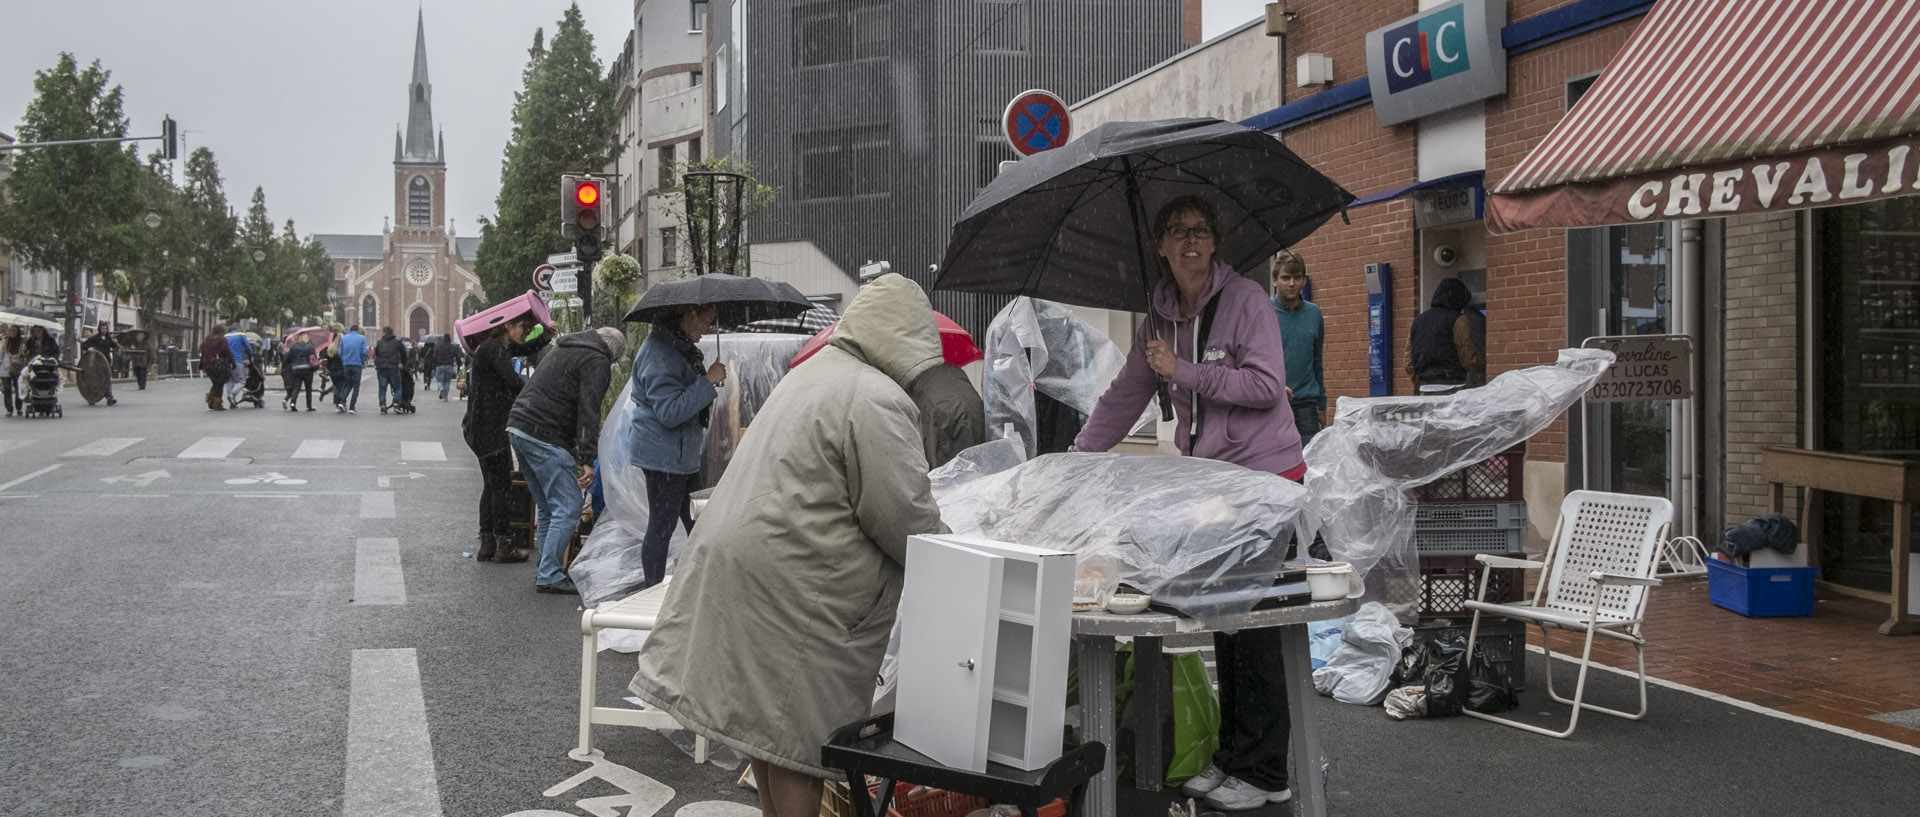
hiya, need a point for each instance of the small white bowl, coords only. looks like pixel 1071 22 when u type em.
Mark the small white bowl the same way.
pixel 1127 604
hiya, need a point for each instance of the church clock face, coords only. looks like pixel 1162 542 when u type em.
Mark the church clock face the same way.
pixel 419 273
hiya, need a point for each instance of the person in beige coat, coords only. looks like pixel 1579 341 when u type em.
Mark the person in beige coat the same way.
pixel 773 629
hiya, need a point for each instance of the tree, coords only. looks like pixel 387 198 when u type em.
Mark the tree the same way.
pixel 164 264
pixel 754 198
pixel 212 236
pixel 563 122
pixel 72 208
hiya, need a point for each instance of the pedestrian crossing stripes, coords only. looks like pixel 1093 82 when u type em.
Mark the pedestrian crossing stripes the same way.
pixel 390 769
pixel 106 447
pixel 211 448
pixel 376 572
pixel 422 452
pixel 319 449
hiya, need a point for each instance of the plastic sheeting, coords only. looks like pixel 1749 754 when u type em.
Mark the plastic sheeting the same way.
pixel 1364 466
pixel 1035 345
pixel 1361 670
pixel 755 364
pixel 1201 536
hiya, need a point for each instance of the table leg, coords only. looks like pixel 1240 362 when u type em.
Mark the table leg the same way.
pixel 1901 622
pixel 1150 697
pixel 1308 790
pixel 1096 717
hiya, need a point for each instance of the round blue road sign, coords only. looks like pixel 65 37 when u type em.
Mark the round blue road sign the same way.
pixel 1037 120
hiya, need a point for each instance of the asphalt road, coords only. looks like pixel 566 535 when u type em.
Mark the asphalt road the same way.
pixel 182 636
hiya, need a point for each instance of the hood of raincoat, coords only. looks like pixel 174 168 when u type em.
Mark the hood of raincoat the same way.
pixel 890 326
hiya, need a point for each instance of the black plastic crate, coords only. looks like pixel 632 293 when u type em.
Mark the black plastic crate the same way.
pixel 1503 641
pixel 1447 583
pixel 1498 478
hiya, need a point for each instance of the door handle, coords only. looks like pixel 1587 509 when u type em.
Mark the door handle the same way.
pixel 967 664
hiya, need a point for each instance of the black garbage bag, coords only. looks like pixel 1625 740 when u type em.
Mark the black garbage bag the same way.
pixel 1440 665
pixel 1490 686
pixel 1774 530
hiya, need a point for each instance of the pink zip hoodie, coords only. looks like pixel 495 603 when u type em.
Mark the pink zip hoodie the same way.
pixel 1238 382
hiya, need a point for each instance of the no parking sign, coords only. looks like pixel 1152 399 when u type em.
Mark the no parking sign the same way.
pixel 1036 120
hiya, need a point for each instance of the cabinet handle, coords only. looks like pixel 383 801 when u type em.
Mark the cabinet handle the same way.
pixel 967 664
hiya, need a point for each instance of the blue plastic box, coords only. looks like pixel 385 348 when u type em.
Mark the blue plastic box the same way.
pixel 1761 591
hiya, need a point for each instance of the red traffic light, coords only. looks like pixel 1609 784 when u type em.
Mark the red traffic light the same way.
pixel 587 194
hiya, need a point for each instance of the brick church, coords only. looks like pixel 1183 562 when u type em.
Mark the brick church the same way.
pixel 415 275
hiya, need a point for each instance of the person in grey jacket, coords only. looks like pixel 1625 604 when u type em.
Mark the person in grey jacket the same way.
pixel 554 426
pixel 673 386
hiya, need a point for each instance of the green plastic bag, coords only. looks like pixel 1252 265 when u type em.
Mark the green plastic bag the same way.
pixel 1196 718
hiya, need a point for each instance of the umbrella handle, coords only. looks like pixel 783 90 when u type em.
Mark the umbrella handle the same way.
pixel 1166 401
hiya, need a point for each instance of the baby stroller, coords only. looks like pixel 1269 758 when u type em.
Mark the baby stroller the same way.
pixel 403 404
pixel 43 380
pixel 254 388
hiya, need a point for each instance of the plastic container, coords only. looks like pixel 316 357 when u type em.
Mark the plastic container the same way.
pixel 1467 529
pixel 515 307
pixel 1329 581
pixel 1495 479
pixel 1447 583
pixel 1761 591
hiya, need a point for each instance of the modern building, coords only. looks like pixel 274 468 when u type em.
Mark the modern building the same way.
pixel 879 120
pixel 416 275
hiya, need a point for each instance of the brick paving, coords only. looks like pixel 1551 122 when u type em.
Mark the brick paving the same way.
pixel 1833 666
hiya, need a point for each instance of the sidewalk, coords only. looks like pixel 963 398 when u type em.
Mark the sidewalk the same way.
pixel 1832 667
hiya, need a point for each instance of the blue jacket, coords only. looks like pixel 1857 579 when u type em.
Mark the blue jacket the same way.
pixel 238 346
pixel 668 394
pixel 353 349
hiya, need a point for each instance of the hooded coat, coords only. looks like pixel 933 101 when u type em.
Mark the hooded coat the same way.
pixel 774 627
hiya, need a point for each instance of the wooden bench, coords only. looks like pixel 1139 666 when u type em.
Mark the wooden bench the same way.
pixel 636 612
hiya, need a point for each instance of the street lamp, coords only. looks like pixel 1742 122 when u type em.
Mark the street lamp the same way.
pixel 152 220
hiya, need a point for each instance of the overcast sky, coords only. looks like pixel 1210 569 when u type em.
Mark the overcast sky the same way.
pixel 303 98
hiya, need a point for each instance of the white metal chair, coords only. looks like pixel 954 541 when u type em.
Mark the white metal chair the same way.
pixel 1605 554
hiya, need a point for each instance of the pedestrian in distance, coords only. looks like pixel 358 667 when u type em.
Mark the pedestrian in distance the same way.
pixel 554 427
pixel 389 358
pixel 776 621
pixel 446 360
pixel 353 356
pixel 12 363
pixel 1302 335
pixel 494 383
pixel 673 392
pixel 299 363
pixel 102 341
pixel 216 362
pixel 139 354
pixel 1447 343
pixel 1210 333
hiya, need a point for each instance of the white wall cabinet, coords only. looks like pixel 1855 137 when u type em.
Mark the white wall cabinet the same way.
pixel 984 628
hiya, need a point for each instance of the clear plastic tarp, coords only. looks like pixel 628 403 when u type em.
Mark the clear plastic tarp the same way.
pixel 755 363
pixel 1035 345
pixel 1362 468
pixel 1201 536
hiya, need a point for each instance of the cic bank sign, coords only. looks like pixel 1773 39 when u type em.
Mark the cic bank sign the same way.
pixel 1439 59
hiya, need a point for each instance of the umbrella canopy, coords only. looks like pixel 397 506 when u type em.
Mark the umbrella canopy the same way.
pixel 808 322
pixel 955 344
pixel 319 336
pixel 16 319
pixel 1070 224
pixel 740 300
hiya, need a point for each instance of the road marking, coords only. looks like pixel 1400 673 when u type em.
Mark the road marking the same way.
pixel 212 448
pixel 105 447
pixel 376 505
pixel 387 480
pixel 376 572
pixel 35 474
pixel 9 445
pixel 266 496
pixel 319 449
pixel 270 478
pixel 136 496
pixel 417 451
pixel 389 750
pixel 139 480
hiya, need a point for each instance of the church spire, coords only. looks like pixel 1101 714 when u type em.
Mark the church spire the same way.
pixel 419 146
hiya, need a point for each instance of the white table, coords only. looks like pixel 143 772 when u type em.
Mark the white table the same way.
pixel 1095 633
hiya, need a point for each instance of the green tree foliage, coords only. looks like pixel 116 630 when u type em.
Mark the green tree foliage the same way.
pixel 563 122
pixel 754 197
pixel 212 236
pixel 73 208
pixel 165 260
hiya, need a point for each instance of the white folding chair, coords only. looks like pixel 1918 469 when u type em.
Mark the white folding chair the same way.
pixel 1604 556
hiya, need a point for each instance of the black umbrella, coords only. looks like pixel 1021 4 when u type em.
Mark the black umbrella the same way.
pixel 740 300
pixel 31 312
pixel 809 322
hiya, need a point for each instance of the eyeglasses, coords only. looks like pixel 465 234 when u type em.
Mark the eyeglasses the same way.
pixel 1201 231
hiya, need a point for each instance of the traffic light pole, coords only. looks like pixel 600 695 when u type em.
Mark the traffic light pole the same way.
pixel 168 138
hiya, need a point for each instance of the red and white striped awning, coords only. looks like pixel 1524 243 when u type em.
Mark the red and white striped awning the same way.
pixel 1719 107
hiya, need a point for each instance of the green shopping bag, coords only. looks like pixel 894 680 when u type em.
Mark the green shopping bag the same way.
pixel 1196 718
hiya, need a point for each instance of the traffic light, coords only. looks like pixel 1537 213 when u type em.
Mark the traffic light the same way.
pixel 169 139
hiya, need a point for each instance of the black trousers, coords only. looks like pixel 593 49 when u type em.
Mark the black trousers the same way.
pixel 140 376
pixel 296 379
pixel 1255 724
pixel 7 386
pixel 496 483
pixel 668 501
pixel 217 391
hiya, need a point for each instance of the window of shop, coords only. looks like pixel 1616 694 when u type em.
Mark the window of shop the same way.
pixel 1868 381
pixel 1631 293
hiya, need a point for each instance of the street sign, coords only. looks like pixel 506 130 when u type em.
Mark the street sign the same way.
pixel 1036 120
pixel 574 302
pixel 1645 367
pixel 562 259
pixel 566 281
pixel 543 277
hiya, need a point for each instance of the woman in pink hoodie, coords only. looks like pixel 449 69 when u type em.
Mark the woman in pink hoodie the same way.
pixel 1228 379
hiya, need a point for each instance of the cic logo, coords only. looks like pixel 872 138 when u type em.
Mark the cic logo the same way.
pixel 1426 49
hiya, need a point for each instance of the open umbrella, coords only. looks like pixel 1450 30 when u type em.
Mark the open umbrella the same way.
pixel 1070 224
pixel 956 346
pixel 740 300
pixel 15 319
pixel 319 336
pixel 807 323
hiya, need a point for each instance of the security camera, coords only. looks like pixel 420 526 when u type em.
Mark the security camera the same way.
pixel 1445 255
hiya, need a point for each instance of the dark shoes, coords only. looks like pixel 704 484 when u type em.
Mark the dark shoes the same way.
pixel 485 553
pixel 563 587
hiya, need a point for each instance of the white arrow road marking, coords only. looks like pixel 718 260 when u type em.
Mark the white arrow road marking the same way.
pixel 387 481
pixel 376 572
pixel 139 480
pixel 29 476
pixel 103 448
pixel 417 451
pixel 212 448
pixel 319 449
pixel 271 478
pixel 376 505
pixel 390 769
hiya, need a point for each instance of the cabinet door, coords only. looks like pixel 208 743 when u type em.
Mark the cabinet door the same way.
pixel 949 630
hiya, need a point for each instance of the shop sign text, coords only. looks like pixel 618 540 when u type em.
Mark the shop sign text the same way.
pixel 1645 367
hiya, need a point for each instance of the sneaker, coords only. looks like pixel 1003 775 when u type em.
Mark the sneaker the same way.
pixel 339 409
pixel 563 587
pixel 1205 782
pixel 1238 795
pixel 351 411
pixel 383 408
